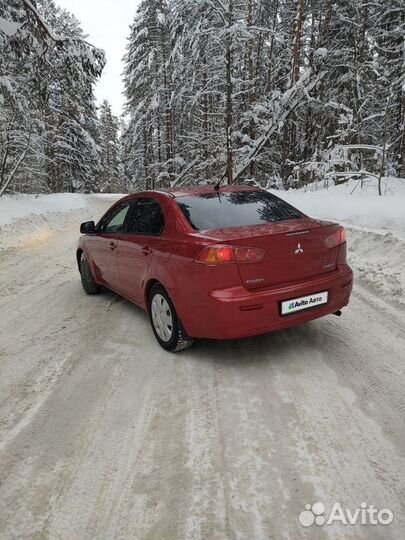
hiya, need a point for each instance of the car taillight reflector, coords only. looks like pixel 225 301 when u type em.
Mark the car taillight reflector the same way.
pixel 222 254
pixel 337 238
pixel 248 254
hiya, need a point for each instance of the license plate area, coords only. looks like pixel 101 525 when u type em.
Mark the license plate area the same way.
pixel 304 302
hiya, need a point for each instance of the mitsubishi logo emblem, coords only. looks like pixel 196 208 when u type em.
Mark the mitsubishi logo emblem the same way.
pixel 299 250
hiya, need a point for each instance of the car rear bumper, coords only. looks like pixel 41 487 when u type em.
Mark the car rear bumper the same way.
pixel 235 312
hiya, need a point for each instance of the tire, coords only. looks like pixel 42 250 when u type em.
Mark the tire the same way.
pixel 165 323
pixel 89 285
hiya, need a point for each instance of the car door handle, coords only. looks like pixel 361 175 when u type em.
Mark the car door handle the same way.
pixel 146 250
pixel 113 246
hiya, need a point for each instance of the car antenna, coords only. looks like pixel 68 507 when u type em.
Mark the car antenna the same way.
pixel 218 184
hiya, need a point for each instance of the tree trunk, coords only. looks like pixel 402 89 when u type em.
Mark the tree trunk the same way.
pixel 16 166
pixel 168 111
pixel 270 68
pixel 6 151
pixel 205 105
pixel 289 136
pixel 252 96
pixel 384 155
pixel 297 35
pixel 326 23
pixel 229 94
pixel 145 153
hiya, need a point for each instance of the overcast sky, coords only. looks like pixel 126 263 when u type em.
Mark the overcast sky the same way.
pixel 107 24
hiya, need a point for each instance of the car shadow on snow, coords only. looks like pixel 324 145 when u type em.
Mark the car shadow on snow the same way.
pixel 281 347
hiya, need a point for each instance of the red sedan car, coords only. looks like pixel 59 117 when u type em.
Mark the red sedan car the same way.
pixel 216 263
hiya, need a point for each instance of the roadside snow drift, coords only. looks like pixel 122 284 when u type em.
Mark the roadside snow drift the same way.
pixel 375 226
pixel 25 219
pixel 28 206
pixel 352 204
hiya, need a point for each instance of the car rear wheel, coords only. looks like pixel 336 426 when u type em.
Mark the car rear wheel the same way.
pixel 165 323
pixel 89 285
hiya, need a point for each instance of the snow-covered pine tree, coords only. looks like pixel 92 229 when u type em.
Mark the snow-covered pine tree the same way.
pixel 264 89
pixel 214 60
pixel 110 180
pixel 387 35
pixel 48 122
pixel 149 138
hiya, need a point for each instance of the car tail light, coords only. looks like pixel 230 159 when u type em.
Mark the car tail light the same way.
pixel 216 255
pixel 337 238
pixel 222 254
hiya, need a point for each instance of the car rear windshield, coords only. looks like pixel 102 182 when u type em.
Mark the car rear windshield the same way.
pixel 218 210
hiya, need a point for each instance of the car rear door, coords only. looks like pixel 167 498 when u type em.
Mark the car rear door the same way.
pixel 105 243
pixel 137 246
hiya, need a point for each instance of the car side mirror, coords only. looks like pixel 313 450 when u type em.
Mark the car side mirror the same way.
pixel 89 227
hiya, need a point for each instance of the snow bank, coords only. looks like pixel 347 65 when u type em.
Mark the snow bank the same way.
pixel 378 262
pixel 375 229
pixel 22 206
pixel 25 219
pixel 352 205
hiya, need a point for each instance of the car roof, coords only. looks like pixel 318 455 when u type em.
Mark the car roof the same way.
pixel 185 191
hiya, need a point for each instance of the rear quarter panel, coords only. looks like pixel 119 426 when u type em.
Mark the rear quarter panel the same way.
pixel 189 283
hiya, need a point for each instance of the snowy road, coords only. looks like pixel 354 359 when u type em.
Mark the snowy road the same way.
pixel 103 435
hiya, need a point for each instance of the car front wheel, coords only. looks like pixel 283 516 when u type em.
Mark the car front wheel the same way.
pixel 165 323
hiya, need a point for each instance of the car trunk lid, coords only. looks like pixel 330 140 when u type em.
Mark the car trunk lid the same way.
pixel 294 250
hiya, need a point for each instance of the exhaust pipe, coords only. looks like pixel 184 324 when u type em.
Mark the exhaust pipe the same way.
pixel 338 313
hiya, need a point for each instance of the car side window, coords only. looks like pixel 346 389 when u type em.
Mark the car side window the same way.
pixel 114 222
pixel 146 218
